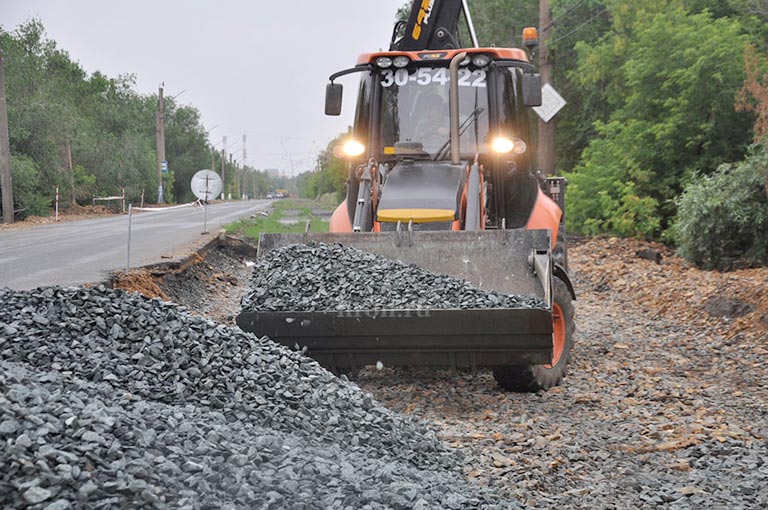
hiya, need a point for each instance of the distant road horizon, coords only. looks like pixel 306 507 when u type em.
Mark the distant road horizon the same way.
pixel 86 251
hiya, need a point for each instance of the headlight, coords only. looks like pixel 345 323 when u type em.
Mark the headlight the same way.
pixel 504 145
pixel 501 145
pixel 481 60
pixel 353 148
pixel 401 61
pixel 384 62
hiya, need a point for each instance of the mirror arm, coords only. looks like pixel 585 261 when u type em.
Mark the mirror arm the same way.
pixel 356 69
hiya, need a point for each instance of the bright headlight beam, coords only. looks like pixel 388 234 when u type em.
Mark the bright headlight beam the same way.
pixel 502 145
pixel 353 148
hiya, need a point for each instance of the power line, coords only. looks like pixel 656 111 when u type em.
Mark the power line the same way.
pixel 567 10
pixel 277 135
pixel 590 20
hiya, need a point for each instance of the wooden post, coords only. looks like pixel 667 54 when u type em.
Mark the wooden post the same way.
pixel 128 255
pixel 160 134
pixel 71 172
pixel 6 180
pixel 546 149
pixel 223 168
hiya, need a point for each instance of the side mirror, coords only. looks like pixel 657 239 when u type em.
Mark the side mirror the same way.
pixel 333 93
pixel 531 90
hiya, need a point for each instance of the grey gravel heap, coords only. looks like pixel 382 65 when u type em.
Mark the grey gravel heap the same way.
pixel 327 277
pixel 108 399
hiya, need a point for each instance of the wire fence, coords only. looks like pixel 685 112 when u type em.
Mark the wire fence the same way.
pixel 120 198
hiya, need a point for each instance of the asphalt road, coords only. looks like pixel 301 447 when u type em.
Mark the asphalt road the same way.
pixel 80 252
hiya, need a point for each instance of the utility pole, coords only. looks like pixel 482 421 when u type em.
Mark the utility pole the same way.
pixel 546 149
pixel 213 150
pixel 232 165
pixel 239 175
pixel 6 180
pixel 160 133
pixel 241 186
pixel 223 168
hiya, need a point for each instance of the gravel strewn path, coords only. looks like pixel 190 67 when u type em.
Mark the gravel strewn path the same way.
pixel 654 412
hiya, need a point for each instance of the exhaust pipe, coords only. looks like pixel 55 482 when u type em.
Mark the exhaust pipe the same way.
pixel 454 105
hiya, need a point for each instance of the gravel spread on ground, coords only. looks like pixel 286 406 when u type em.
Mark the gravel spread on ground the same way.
pixel 320 277
pixel 109 399
pixel 664 405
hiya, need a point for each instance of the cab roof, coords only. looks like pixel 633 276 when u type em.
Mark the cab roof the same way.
pixel 433 55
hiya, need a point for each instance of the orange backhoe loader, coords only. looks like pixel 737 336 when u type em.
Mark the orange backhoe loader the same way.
pixel 442 174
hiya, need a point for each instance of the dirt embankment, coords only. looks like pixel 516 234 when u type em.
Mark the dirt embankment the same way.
pixel 734 304
pixel 209 283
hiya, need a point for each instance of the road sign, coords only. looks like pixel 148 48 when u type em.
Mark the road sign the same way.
pixel 165 167
pixel 551 103
pixel 206 185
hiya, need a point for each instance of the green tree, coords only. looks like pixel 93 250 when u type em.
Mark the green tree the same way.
pixel 501 22
pixel 29 201
pixel 186 148
pixel 669 79
pixel 576 24
pixel 110 128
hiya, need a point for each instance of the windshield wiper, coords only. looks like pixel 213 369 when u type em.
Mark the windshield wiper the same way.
pixel 462 128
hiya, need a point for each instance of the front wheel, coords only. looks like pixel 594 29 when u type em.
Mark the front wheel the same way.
pixel 541 377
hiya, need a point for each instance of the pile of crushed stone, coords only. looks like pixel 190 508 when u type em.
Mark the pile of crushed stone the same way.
pixel 110 399
pixel 328 277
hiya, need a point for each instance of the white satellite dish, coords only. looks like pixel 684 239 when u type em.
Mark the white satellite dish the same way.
pixel 206 185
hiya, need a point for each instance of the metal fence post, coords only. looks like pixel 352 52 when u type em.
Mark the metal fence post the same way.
pixel 205 218
pixel 128 259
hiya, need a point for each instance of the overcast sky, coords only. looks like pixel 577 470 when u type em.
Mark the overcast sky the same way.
pixel 251 67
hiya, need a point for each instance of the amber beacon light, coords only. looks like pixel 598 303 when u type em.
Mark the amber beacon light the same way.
pixel 530 37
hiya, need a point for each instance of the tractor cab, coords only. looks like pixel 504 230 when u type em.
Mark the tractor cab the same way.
pixel 426 148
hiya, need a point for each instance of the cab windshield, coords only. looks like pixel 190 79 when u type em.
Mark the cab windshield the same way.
pixel 415 108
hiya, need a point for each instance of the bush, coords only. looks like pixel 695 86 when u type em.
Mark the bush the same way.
pixel 603 194
pixel 26 183
pixel 723 218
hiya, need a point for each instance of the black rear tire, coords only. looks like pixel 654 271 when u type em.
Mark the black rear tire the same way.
pixel 530 378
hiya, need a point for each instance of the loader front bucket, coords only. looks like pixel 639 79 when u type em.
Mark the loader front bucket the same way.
pixel 509 261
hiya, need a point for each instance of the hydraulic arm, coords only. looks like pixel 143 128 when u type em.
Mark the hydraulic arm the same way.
pixel 433 25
